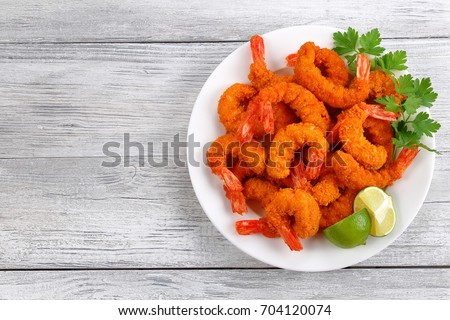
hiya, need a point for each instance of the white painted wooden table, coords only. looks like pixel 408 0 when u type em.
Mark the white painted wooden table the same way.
pixel 74 75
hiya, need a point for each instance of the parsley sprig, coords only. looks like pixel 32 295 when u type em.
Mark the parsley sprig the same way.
pixel 412 93
pixel 349 44
pixel 412 125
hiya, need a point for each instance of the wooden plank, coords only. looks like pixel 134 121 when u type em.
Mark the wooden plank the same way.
pixel 68 100
pixel 202 20
pixel 227 284
pixel 74 213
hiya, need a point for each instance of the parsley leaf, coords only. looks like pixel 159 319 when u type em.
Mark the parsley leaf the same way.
pixel 411 104
pixel 389 102
pixel 345 42
pixel 404 84
pixel 422 124
pixel 424 92
pixel 370 43
pixel 406 139
pixel 393 61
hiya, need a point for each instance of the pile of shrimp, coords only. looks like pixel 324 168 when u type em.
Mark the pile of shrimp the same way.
pixel 304 145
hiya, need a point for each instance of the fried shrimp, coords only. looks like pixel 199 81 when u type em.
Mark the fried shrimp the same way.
pixel 330 64
pixel 228 146
pixel 262 191
pixel 337 96
pixel 380 132
pixel 353 175
pixel 337 210
pixel 351 130
pixel 326 190
pixel 296 207
pixel 303 102
pixel 381 84
pixel 290 139
pixel 260 76
pixel 283 116
pixel 232 105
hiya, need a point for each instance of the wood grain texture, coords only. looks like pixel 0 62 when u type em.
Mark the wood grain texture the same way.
pixel 74 213
pixel 175 21
pixel 68 100
pixel 77 74
pixel 227 284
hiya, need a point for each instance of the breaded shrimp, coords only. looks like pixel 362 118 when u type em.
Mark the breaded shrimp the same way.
pixel 351 131
pixel 381 84
pixel 262 191
pixel 252 154
pixel 232 105
pixel 290 139
pixel 337 210
pixel 351 174
pixel 297 206
pixel 380 132
pixel 308 75
pixel 330 64
pixel 260 76
pixel 373 110
pixel 326 190
pixel 303 102
pixel 283 116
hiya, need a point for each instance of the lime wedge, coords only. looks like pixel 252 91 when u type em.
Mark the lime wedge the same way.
pixel 380 207
pixel 351 231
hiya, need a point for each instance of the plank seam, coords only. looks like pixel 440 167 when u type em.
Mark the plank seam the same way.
pixel 184 42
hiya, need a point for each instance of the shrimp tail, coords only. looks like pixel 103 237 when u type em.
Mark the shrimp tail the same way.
pixel 314 166
pixel 246 130
pixel 406 156
pixel 231 182
pixel 333 135
pixel 298 176
pixel 291 59
pixel 246 227
pixel 237 200
pixel 267 117
pixel 362 67
pixel 258 50
pixel 290 238
pixel 378 112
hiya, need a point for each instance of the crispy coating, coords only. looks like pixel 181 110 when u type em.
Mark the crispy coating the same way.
pixel 260 76
pixel 332 66
pixel 303 102
pixel 351 132
pixel 290 139
pixel 252 154
pixel 337 210
pixel 299 205
pixel 232 105
pixel 326 190
pixel 351 174
pixel 380 132
pixel 380 84
pixel 310 76
pixel 283 116
pixel 260 190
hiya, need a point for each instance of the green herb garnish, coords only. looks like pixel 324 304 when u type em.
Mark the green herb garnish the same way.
pixel 415 93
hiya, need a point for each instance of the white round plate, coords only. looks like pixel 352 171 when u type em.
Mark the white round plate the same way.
pixel 318 254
